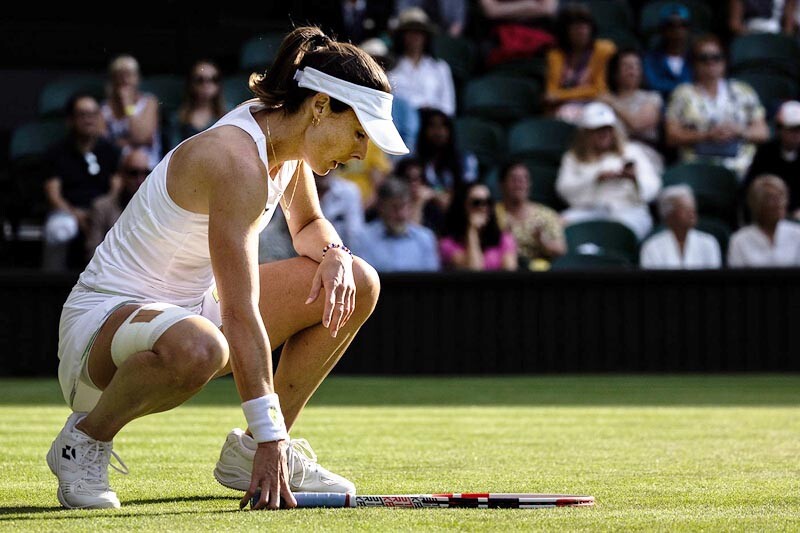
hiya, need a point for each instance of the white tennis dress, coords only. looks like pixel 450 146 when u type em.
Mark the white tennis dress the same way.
pixel 156 252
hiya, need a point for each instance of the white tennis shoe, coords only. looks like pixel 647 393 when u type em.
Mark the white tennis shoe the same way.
pixel 81 465
pixel 235 466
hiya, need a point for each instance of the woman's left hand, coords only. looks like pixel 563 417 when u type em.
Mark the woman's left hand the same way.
pixel 335 274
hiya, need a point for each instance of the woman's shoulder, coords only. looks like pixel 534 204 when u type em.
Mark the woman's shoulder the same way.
pixel 605 47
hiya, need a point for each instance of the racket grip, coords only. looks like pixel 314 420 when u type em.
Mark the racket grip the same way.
pixel 315 499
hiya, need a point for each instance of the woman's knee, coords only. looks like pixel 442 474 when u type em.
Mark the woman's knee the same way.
pixel 368 285
pixel 194 351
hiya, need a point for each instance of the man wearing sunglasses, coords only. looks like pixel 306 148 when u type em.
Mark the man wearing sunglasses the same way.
pixel 106 209
pixel 79 170
pixel 667 66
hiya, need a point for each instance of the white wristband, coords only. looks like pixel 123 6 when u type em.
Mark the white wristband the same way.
pixel 264 418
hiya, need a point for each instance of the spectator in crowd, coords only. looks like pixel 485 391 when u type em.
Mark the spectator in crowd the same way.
pixel 340 201
pixel 781 157
pixel 603 176
pixel 668 64
pixel 472 239
pixel 639 111
pixel 680 246
pixel 715 119
pixel 576 68
pixel 425 209
pixel 536 228
pixel 445 166
pixel 203 103
pixel 367 174
pixel 354 20
pixel 106 209
pixel 448 14
pixel 521 29
pixel 131 117
pixel 393 242
pixel 770 241
pixel 80 170
pixel 404 115
pixel 418 77
pixel 761 16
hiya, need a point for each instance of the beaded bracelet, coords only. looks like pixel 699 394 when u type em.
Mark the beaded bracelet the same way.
pixel 333 245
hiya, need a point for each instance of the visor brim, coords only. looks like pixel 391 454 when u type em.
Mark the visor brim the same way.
pixel 383 133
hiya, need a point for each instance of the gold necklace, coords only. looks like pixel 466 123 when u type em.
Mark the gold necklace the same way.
pixel 296 177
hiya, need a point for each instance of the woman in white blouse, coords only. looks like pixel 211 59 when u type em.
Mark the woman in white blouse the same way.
pixel 418 77
pixel 771 241
pixel 604 177
pixel 680 246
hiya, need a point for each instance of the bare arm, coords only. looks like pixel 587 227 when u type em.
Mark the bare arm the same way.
pixel 789 9
pixel 736 16
pixel 472 256
pixel 52 190
pixel 756 132
pixel 144 125
pixel 678 135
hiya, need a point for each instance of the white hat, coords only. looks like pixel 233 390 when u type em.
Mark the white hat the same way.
pixel 597 115
pixel 789 114
pixel 375 47
pixel 372 107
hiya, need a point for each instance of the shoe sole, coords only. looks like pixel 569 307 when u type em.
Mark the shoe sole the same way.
pixel 232 477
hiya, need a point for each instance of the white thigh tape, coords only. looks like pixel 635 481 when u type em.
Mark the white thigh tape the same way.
pixel 142 329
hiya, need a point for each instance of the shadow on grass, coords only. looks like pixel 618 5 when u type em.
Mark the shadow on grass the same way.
pixel 59 513
pixel 533 391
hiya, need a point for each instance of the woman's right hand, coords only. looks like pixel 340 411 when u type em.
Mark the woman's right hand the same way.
pixel 271 475
pixel 478 219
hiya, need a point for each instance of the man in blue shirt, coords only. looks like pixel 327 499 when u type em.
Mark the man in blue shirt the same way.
pixel 668 65
pixel 393 242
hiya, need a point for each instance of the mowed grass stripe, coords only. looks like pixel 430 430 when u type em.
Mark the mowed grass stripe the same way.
pixel 664 464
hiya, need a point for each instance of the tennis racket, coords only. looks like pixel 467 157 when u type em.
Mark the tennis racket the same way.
pixel 441 501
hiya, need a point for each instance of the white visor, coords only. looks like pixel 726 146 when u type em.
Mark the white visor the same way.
pixel 372 107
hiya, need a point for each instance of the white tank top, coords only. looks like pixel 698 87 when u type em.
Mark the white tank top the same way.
pixel 159 251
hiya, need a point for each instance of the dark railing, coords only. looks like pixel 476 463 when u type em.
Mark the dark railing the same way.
pixel 463 323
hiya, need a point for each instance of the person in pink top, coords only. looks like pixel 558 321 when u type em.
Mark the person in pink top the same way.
pixel 472 239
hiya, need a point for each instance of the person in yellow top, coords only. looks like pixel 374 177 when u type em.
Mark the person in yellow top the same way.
pixel 367 173
pixel 576 68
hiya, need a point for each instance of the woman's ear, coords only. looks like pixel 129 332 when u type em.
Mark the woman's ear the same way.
pixel 321 106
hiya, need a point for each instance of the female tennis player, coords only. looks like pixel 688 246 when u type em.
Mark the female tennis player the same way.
pixel 174 296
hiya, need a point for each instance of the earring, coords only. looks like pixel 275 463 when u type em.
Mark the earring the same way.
pixel 315 121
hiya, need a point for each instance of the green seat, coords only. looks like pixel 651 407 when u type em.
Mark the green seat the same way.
pixel 500 98
pixel 258 52
pixel 543 185
pixel 542 139
pixel 622 37
pixel 702 17
pixel 534 68
pixel 572 261
pixel 461 54
pixel 485 139
pixel 54 95
pixel 766 52
pixel 773 89
pixel 602 237
pixel 34 138
pixel 715 187
pixel 610 14
pixel 235 90
pixel 168 88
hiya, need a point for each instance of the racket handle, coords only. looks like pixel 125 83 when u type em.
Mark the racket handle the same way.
pixel 315 499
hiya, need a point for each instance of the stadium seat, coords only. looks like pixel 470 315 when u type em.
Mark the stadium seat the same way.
pixel 767 52
pixel 543 185
pixel 622 37
pixel 702 17
pixel 541 139
pixel 500 98
pixel 34 138
pixel 235 90
pixel 533 68
pixel 773 89
pixel 483 138
pixel 54 95
pixel 258 52
pixel 168 88
pixel 602 237
pixel 461 54
pixel 572 261
pixel 715 187
pixel 610 14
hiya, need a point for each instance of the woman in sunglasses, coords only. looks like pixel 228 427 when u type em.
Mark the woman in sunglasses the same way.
pixel 714 118
pixel 472 239
pixel 203 102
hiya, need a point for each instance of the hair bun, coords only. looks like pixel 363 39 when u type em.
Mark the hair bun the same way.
pixel 319 41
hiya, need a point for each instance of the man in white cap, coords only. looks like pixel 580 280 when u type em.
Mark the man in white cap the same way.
pixel 604 177
pixel 780 156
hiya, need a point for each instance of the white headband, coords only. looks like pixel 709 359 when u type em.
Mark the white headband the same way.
pixel 372 107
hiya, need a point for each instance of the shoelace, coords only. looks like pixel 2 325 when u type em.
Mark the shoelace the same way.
pixel 300 450
pixel 93 459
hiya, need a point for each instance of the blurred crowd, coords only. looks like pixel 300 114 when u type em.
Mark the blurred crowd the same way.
pixel 637 114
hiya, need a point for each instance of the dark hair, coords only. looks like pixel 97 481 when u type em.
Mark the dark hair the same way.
pixel 457 219
pixel 613 66
pixel 403 165
pixel 399 43
pixel 189 99
pixel 69 107
pixel 393 188
pixel 308 46
pixel 699 42
pixel 572 14
pixel 505 170
pixel 445 159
